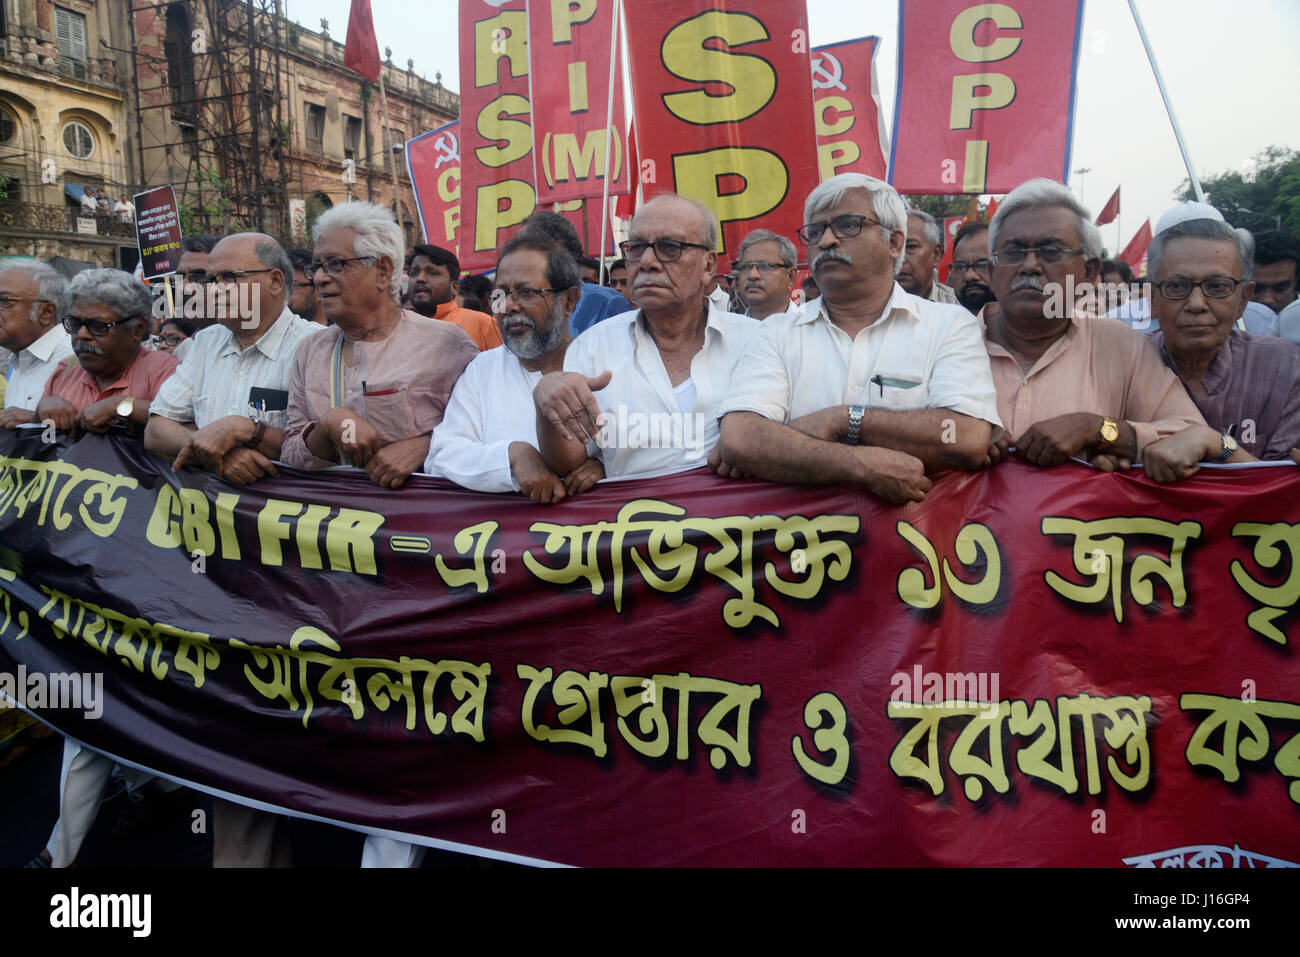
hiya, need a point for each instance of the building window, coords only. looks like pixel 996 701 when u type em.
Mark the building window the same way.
pixel 351 138
pixel 180 61
pixel 7 126
pixel 315 126
pixel 78 140
pixel 70 32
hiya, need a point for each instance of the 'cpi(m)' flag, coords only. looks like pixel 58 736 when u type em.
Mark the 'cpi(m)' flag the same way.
pixel 713 122
pixel 573 112
pixel 985 94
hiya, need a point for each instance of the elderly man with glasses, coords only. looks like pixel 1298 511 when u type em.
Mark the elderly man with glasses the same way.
pixel 1246 386
pixel 226 407
pixel 765 269
pixel 869 383
pixel 661 371
pixel 1068 386
pixel 369 390
pixel 488 438
pixel 114 378
pixel 30 294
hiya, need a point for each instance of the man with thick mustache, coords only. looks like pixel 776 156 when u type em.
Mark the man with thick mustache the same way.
pixel 1068 386
pixel 765 269
pixel 113 378
pixel 969 274
pixel 869 383
pixel 488 437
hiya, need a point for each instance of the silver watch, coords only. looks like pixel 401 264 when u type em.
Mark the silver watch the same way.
pixel 855 424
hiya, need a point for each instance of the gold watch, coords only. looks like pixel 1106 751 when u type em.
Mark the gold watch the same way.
pixel 125 408
pixel 1109 433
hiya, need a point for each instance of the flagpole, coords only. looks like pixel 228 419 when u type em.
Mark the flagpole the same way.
pixel 609 138
pixel 1178 133
pixel 388 149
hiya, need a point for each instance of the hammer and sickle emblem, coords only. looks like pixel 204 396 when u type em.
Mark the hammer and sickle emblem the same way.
pixel 824 79
pixel 448 149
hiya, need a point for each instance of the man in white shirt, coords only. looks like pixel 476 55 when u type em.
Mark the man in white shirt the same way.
pixel 30 296
pixel 225 408
pixel 904 381
pixel 487 440
pixel 765 269
pixel 663 370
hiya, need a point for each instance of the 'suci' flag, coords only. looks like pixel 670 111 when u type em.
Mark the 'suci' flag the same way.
pixel 433 160
pixel 985 94
pixel 496 136
pixel 846 101
pixel 724 113
pixel 573 112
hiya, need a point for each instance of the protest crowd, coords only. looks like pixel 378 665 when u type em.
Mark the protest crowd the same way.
pixel 362 353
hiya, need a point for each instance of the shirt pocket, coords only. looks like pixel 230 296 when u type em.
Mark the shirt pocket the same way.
pixel 898 392
pixel 390 408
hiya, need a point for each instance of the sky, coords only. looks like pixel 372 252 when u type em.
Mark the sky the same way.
pixel 1231 70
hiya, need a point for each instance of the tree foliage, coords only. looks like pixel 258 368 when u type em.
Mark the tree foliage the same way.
pixel 1270 188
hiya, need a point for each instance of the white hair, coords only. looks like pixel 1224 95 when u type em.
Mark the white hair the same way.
pixel 377 235
pixel 886 204
pixel 933 234
pixel 1215 229
pixel 125 296
pixel 1036 193
pixel 49 284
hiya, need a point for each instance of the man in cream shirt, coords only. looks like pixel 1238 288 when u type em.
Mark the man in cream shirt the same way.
pixel 30 292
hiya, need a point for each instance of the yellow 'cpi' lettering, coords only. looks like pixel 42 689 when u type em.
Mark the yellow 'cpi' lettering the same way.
pixel 966 99
pixel 962 35
pixel 751 79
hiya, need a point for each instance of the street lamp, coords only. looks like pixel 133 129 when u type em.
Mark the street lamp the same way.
pixel 1082 171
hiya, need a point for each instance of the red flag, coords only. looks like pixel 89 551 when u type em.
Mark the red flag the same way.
pixel 950 226
pixel 991 211
pixel 625 205
pixel 361 53
pixel 1110 210
pixel 1137 246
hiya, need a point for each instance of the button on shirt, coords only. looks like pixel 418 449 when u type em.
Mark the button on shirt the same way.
pixel 1100 366
pixel 639 404
pixel 918 355
pixel 216 375
pixel 400 385
pixel 31 368
pixel 491 407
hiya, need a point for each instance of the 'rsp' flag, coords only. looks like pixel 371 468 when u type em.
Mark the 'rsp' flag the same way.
pixel 361 53
pixel 846 100
pixel 573 112
pixel 497 192
pixel 433 160
pixel 985 94
pixel 713 121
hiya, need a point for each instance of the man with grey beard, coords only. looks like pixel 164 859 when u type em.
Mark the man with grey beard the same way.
pixel 487 440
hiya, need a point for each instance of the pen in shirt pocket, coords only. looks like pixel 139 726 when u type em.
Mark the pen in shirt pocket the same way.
pixel 365 390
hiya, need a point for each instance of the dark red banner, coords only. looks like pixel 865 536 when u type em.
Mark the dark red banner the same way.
pixel 722 113
pixel 846 100
pixel 158 231
pixel 573 111
pixel 496 134
pixel 1030 667
pixel 433 160
pixel 985 94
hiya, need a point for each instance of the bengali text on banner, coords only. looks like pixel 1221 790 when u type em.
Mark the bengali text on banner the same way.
pixel 1031 667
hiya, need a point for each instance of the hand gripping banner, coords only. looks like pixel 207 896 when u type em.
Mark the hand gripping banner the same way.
pixel 1030 667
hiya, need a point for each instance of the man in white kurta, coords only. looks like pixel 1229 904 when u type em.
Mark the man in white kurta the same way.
pixel 487 440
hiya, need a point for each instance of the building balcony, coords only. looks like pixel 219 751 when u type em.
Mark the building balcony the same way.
pixel 42 218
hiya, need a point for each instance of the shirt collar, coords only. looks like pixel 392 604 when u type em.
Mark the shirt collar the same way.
pixel 712 323
pixel 900 301
pixel 270 342
pixel 45 346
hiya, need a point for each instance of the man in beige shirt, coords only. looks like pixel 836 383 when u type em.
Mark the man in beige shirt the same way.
pixel 1068 386
pixel 370 392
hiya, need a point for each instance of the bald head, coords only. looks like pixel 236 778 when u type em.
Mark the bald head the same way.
pixel 253 276
pixel 675 267
pixel 697 214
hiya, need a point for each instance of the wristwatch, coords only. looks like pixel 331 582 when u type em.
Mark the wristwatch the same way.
pixel 125 408
pixel 1229 447
pixel 1109 433
pixel 259 430
pixel 855 424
